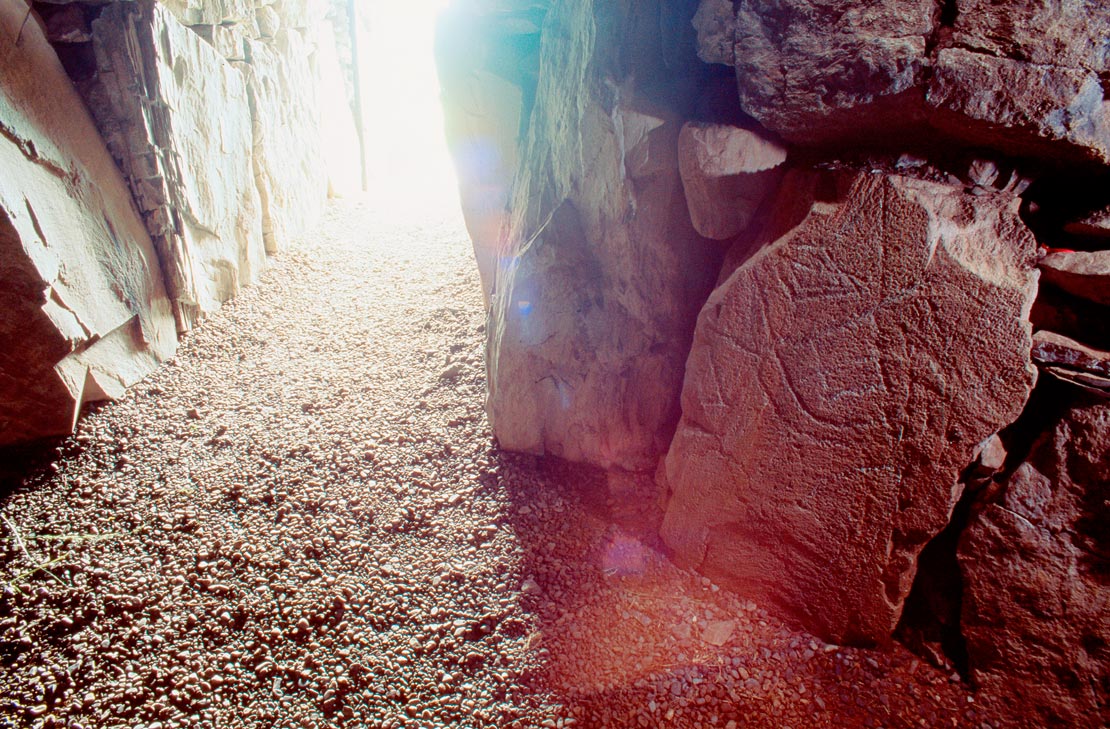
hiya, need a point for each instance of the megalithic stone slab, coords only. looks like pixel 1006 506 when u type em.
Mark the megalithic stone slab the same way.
pixel 599 286
pixel 176 117
pixel 839 381
pixel 83 313
pixel 727 172
pixel 1035 566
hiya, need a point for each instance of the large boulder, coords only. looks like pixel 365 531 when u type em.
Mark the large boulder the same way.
pixel 177 119
pixel 817 71
pixel 727 172
pixel 597 292
pixel 83 313
pixel 1035 565
pixel 1023 77
pixel 839 381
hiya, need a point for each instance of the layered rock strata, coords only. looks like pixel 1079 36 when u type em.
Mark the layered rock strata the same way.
pixel 177 119
pixel 85 314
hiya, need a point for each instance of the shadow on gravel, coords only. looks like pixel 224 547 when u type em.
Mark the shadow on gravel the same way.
pixel 28 464
pixel 624 638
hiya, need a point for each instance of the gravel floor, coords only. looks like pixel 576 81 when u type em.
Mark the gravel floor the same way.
pixel 302 521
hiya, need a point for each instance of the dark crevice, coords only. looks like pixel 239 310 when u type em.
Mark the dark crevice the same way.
pixel 1047 404
pixel 942 32
pixel 949 11
pixel 1058 311
pixel 930 623
pixel 1057 199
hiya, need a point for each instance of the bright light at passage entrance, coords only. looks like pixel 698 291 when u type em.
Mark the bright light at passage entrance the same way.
pixel 409 166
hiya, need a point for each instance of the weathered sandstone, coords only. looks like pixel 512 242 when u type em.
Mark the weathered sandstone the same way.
pixel 839 381
pixel 85 314
pixel 1036 605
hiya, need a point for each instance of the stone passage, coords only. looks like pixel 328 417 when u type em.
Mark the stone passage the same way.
pixel 813 266
pixel 156 153
pixel 302 522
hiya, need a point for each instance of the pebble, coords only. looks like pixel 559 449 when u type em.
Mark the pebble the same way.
pixel 256 580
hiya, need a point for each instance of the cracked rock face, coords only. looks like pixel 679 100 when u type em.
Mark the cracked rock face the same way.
pixel 839 381
pixel 726 171
pixel 85 312
pixel 1036 569
pixel 596 297
pixel 1022 77
pixel 176 117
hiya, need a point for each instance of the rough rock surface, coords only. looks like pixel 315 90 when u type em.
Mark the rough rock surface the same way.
pixel 1023 77
pixel 726 171
pixel 212 12
pixel 596 297
pixel 1036 606
pixel 839 381
pixel 176 117
pixel 288 159
pixel 279 531
pixel 1022 108
pixel 305 141
pixel 1073 362
pixel 818 71
pixel 1095 224
pixel 715 23
pixel 1050 348
pixel 85 314
pixel 1082 273
pixel 488 66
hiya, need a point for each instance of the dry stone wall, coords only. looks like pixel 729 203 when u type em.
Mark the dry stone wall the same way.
pixel 177 118
pixel 85 314
pixel 214 112
pixel 903 207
